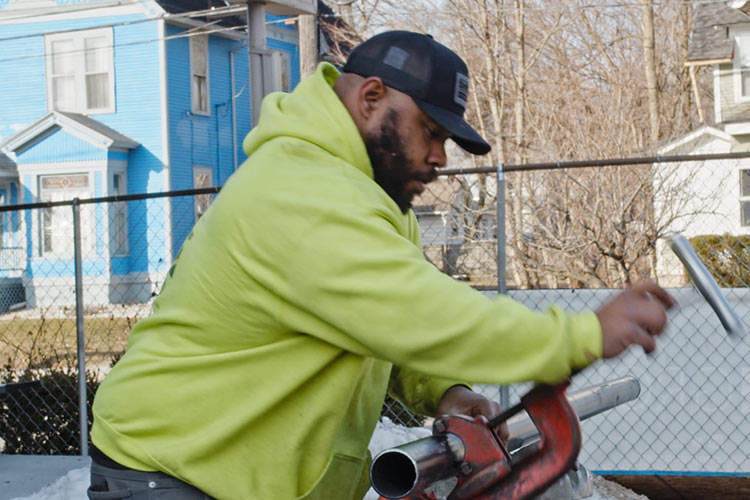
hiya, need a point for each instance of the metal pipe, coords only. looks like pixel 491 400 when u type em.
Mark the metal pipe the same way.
pixel 397 472
pixel 706 285
pixel 586 403
pixel 80 339
pixel 256 28
pixel 502 281
pixel 234 105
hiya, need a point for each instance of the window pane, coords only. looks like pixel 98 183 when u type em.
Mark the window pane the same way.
pixel 200 94
pixel 745 77
pixel 745 213
pixel 198 54
pixel 96 54
pixel 57 222
pixel 62 57
pixel 745 182
pixel 97 91
pixel 47 230
pixel 64 93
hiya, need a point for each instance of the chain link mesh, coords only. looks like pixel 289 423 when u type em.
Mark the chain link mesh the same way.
pixel 574 236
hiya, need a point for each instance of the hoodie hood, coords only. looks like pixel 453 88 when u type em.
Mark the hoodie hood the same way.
pixel 314 113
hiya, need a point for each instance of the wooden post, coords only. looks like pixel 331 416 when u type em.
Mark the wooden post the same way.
pixel 308 45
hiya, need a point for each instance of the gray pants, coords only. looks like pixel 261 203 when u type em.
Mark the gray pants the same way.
pixel 121 484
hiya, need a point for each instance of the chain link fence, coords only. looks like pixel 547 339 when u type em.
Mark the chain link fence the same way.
pixel 572 234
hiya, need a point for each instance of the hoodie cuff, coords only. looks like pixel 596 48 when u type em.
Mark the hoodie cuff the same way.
pixel 585 338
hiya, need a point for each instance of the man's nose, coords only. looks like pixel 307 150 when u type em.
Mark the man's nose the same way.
pixel 438 157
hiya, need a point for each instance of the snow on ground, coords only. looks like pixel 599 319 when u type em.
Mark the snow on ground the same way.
pixel 73 485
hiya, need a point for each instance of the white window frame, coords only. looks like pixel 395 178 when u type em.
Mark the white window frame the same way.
pixel 119 211
pixel 199 77
pixel 279 78
pixel 202 201
pixel 87 219
pixel 744 186
pixel 78 54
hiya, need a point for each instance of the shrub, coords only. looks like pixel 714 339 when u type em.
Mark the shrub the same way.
pixel 726 257
pixel 43 420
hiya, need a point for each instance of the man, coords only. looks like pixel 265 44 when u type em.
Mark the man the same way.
pixel 302 295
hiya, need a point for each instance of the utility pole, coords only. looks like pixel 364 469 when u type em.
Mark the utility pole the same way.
pixel 308 44
pixel 256 43
pixel 260 76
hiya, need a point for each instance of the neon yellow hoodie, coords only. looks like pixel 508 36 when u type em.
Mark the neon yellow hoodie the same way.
pixel 261 372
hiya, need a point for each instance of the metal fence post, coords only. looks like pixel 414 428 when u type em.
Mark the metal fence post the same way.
pixel 80 340
pixel 502 284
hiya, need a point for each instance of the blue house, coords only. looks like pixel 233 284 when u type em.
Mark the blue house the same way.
pixel 102 98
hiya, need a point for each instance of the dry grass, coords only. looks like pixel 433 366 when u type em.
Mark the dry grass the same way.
pixel 31 343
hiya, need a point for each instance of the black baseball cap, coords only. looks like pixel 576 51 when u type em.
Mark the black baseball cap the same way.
pixel 430 73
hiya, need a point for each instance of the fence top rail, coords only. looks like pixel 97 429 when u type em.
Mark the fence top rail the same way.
pixel 106 199
pixel 609 162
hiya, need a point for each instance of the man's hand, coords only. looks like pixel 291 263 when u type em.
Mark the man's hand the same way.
pixel 460 400
pixel 634 316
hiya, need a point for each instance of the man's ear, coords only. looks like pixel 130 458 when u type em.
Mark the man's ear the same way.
pixel 371 94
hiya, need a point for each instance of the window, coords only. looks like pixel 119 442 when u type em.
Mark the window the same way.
pixel 119 221
pixel 202 178
pixel 199 71
pixel 80 71
pixel 56 225
pixel 745 197
pixel 279 78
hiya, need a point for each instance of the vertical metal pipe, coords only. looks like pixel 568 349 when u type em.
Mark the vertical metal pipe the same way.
pixel 256 39
pixel 80 340
pixel 502 284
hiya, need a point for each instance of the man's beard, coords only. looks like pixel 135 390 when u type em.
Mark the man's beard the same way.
pixel 389 162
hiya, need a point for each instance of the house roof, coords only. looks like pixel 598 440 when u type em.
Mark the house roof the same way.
pixel 689 140
pixel 84 127
pixel 183 6
pixel 709 41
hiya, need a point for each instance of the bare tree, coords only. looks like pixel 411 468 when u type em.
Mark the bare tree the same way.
pixel 562 81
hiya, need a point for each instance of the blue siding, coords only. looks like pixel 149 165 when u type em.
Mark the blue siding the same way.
pixel 117 156
pixel 194 140
pixel 23 98
pixel 138 115
pixel 60 147
pixel 198 140
pixel 120 265
pixel 45 268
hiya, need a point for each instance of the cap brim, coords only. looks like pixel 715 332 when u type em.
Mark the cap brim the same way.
pixel 462 133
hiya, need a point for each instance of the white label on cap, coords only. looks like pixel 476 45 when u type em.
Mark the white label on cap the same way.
pixel 461 93
pixel 396 57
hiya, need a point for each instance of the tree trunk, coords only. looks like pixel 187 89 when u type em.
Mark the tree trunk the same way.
pixel 649 63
